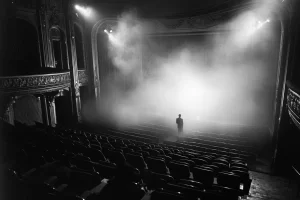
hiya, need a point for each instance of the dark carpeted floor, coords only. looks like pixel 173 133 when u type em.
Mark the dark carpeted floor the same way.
pixel 268 187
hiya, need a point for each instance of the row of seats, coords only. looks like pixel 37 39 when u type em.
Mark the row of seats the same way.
pixel 161 159
pixel 204 146
pixel 163 169
pixel 213 139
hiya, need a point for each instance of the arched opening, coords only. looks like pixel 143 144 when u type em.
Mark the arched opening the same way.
pixel 22 55
pixel 59 50
pixel 105 64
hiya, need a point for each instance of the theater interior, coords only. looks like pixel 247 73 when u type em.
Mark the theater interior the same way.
pixel 90 93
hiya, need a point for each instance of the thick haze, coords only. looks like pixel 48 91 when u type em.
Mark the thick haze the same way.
pixel 223 78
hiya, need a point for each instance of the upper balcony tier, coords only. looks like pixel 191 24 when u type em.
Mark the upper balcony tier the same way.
pixel 39 83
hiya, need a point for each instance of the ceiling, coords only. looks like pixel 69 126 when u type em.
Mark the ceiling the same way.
pixel 162 8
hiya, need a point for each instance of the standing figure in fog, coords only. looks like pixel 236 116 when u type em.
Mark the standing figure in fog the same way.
pixel 179 122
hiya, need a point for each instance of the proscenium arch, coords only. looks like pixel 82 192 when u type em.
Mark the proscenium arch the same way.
pixel 284 18
pixel 95 64
pixel 283 67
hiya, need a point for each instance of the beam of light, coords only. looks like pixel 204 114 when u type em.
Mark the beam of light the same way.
pixel 247 28
pixel 85 11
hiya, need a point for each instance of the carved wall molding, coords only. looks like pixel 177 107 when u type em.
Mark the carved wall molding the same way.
pixel 293 104
pixel 34 83
pixel 83 77
pixel 54 18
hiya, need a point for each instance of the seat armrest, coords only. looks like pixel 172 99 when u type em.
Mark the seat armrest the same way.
pixel 85 194
pixel 28 173
pixel 61 187
pixel 51 181
pixel 99 187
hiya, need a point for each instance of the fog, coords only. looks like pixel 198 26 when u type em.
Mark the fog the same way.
pixel 222 78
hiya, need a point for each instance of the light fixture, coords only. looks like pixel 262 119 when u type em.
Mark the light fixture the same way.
pixel 83 10
pixel 108 31
pixel 260 23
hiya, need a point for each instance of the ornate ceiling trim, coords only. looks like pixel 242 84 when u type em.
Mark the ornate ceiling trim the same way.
pixel 212 22
pixel 34 83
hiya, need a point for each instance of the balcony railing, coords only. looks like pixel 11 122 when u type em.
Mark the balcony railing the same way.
pixel 34 83
pixel 39 83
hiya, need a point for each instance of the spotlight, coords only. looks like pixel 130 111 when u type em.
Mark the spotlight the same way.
pixel 83 10
pixel 260 23
pixel 108 31
pixel 77 7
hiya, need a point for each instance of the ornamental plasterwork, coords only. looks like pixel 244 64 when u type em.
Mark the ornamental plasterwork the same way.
pixel 190 24
pixel 293 102
pixel 54 18
pixel 198 22
pixel 34 82
pixel 82 77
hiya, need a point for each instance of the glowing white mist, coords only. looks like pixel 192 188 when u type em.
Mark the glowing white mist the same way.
pixel 217 80
pixel 126 44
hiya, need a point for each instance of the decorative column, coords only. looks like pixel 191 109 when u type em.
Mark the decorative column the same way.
pixel 43 34
pixel 72 61
pixel 52 110
pixel 45 110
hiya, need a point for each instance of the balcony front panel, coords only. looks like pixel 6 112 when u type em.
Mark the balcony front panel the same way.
pixel 34 83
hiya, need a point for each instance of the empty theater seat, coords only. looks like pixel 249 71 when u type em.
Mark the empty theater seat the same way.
pixel 157 165
pixel 179 170
pixel 203 175
pixel 136 160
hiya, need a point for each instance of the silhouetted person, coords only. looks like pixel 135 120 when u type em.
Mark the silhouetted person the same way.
pixel 179 122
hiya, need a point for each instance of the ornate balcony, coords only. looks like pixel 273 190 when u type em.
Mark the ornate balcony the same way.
pixel 34 83
pixel 39 83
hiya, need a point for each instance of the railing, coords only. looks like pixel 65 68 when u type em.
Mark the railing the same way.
pixel 39 83
pixel 34 83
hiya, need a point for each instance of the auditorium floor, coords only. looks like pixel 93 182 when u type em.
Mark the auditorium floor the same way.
pixel 267 187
